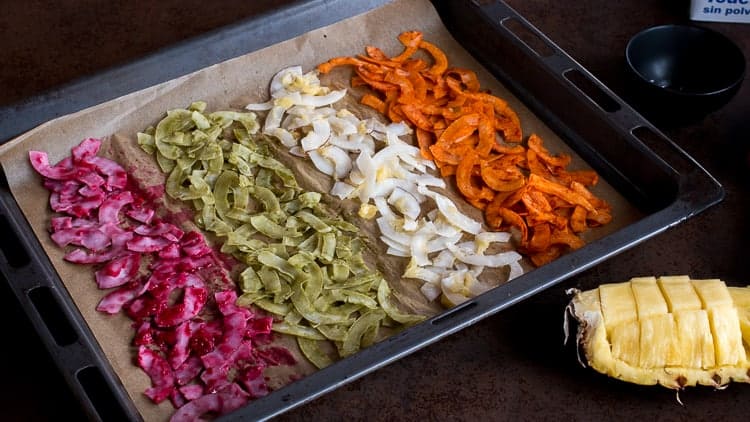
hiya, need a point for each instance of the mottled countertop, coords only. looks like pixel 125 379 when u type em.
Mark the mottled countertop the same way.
pixel 512 366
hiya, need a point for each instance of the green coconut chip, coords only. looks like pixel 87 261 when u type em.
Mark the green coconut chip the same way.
pixel 304 265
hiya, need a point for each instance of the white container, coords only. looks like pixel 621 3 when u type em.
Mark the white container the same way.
pixel 720 10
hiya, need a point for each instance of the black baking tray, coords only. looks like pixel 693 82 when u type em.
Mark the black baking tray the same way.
pixel 649 170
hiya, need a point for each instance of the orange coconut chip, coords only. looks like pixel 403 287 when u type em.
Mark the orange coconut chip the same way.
pixel 477 138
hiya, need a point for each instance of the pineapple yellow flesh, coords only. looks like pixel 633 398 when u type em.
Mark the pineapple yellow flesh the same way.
pixel 741 299
pixel 694 339
pixel 713 293
pixel 725 327
pixel 679 294
pixel 648 298
pixel 657 342
pixel 617 304
pixel 673 331
pixel 625 342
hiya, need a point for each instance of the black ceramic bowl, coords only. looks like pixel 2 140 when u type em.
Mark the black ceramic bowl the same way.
pixel 683 72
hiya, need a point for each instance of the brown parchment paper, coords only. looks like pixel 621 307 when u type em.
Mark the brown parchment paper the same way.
pixel 231 85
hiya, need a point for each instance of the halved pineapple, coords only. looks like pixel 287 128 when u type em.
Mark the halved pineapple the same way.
pixel 672 331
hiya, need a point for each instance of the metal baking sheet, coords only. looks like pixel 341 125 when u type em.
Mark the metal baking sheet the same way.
pixel 666 185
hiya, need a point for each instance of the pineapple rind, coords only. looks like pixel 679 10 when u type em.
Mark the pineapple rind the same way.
pixel 662 360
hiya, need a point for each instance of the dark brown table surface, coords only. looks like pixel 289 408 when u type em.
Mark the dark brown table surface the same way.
pixel 512 366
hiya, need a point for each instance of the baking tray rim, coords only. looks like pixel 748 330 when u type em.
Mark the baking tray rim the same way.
pixel 416 337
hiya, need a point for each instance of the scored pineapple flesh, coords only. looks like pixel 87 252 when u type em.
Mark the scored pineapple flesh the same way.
pixel 618 304
pixel 672 330
pixel 741 297
pixel 657 342
pixel 694 339
pixel 625 342
pixel 725 327
pixel 679 294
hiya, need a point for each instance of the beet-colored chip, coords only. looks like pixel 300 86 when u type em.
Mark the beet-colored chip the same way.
pixel 118 271
pixel 193 410
pixel 140 214
pixel 114 301
pixel 91 180
pixel 79 256
pixel 181 348
pixel 232 398
pixel 89 147
pixel 194 296
pixel 202 341
pixel 75 204
pixel 191 391
pixel 259 326
pixel 139 308
pixel 90 192
pixel 61 223
pixel 226 302
pixel 188 371
pixel 161 374
pixel 117 178
pixel 254 382
pixel 177 398
pixel 194 245
pixel 109 212
pixel 148 244
pixel 170 252
pixel 40 162
pixel 165 230
pixel 215 378
pixel 276 356
pixel 143 335
pixel 90 238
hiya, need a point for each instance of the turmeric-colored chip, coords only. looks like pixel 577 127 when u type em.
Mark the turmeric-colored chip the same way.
pixel 465 179
pixel 441 62
pixel 487 137
pixel 540 239
pixel 584 177
pixel 460 129
pixel 410 40
pixel 535 144
pixel 448 170
pixel 404 84
pixel 376 54
pixel 540 211
pixel 500 185
pixel 424 140
pixel 578 219
pixel 467 77
pixel 563 192
pixel 564 237
pixel 415 115
pixel 546 256
pixel 374 102
pixel 338 61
